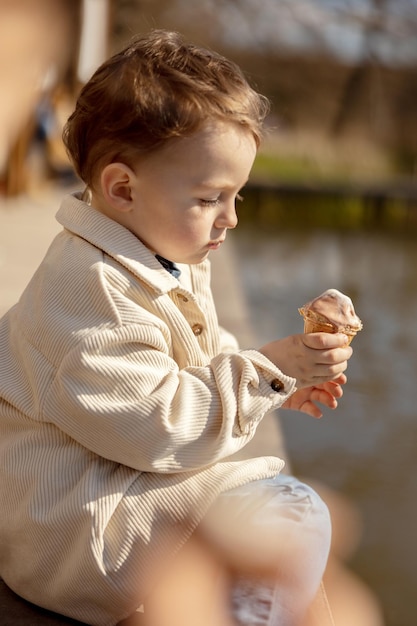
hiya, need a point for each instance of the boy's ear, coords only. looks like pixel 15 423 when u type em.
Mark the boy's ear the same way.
pixel 117 180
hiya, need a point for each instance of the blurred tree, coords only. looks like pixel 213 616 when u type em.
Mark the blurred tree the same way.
pixel 340 69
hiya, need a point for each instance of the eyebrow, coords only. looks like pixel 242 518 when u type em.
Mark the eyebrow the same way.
pixel 215 185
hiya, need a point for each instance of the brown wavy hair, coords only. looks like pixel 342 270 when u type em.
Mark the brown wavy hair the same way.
pixel 158 88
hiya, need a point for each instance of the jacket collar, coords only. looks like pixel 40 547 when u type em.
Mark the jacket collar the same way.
pixel 116 241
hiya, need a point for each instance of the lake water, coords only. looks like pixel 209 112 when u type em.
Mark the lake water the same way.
pixel 367 449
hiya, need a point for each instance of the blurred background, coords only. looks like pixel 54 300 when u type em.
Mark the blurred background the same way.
pixel 332 202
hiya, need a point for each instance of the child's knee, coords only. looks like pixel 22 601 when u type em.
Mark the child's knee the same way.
pixel 297 501
pixel 267 522
pixel 314 511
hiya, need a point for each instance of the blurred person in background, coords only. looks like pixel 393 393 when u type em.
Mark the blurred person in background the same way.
pixel 38 49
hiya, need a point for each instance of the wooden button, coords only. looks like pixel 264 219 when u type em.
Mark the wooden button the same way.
pixel 277 385
pixel 197 329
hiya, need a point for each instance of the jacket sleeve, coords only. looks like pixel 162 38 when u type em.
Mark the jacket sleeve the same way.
pixel 121 395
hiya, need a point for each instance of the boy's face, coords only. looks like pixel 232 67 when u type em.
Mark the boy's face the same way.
pixel 184 195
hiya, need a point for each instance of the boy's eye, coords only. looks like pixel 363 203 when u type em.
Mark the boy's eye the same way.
pixel 213 202
pixel 216 201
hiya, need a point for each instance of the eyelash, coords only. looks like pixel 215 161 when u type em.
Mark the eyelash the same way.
pixel 216 201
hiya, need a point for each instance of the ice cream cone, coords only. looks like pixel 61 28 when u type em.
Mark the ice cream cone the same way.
pixel 336 315
pixel 310 326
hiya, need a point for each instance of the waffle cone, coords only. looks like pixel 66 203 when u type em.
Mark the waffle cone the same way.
pixel 314 326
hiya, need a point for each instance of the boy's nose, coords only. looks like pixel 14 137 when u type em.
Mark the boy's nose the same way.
pixel 228 217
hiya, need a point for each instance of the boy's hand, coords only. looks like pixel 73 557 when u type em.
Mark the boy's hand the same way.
pixel 306 399
pixel 312 359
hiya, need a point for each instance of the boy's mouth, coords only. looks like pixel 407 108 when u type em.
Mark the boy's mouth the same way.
pixel 213 245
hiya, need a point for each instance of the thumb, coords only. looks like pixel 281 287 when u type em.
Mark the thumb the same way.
pixel 321 341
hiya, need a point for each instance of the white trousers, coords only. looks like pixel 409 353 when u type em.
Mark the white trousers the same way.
pixel 284 524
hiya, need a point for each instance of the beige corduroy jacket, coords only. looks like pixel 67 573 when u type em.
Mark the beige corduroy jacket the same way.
pixel 119 398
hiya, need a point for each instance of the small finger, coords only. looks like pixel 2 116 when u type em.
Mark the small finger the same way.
pixel 340 380
pixel 334 356
pixel 310 408
pixel 325 398
pixel 334 389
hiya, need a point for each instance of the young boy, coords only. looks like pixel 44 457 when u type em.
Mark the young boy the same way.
pixel 120 396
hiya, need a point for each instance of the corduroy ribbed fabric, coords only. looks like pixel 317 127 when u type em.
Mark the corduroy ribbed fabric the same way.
pixel 119 398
